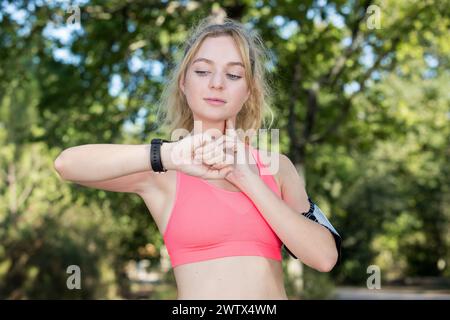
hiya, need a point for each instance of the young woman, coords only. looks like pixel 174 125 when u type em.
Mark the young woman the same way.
pixel 223 217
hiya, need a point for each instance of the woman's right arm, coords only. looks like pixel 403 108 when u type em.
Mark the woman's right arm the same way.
pixel 93 162
pixel 123 168
pixel 112 167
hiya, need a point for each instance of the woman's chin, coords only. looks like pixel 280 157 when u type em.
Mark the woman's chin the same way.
pixel 214 116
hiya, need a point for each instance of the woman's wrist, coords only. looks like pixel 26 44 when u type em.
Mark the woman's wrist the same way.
pixel 166 155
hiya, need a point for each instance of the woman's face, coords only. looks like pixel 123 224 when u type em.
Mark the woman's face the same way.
pixel 216 71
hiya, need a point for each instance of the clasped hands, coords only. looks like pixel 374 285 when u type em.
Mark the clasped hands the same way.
pixel 225 157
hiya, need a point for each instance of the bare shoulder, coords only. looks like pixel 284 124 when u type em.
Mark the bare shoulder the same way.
pixel 280 162
pixel 289 178
pixel 289 171
pixel 293 187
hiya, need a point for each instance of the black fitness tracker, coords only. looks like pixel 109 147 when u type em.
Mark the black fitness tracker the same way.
pixel 155 155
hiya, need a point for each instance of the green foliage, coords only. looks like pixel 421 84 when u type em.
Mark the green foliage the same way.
pixel 364 111
pixel 44 230
pixel 316 285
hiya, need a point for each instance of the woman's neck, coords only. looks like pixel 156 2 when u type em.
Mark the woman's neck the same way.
pixel 214 128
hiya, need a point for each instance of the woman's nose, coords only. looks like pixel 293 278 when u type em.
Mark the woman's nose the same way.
pixel 216 80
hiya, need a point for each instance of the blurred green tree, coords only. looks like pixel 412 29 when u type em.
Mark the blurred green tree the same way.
pixel 363 114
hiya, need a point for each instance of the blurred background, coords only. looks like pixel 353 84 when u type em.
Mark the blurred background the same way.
pixel 362 102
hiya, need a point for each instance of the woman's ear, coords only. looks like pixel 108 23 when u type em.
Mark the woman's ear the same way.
pixel 181 84
pixel 247 96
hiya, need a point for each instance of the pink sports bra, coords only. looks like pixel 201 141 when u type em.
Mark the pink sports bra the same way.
pixel 208 222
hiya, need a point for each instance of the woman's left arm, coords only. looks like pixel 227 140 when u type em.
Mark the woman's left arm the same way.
pixel 311 242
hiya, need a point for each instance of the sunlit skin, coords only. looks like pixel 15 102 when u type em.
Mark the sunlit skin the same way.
pixel 216 71
pixel 230 277
pixel 240 277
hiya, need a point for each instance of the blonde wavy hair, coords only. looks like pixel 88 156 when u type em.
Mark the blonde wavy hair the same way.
pixel 173 109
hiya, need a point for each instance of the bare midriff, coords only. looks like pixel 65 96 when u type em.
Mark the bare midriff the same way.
pixel 235 277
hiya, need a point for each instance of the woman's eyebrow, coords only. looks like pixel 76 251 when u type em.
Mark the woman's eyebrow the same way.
pixel 212 62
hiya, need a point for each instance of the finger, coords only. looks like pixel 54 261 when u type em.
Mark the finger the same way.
pixel 213 144
pixel 225 171
pixel 205 158
pixel 197 160
pixel 240 152
pixel 237 149
pixel 226 160
pixel 229 160
pixel 226 146
pixel 214 160
pixel 207 139
pixel 235 140
pixel 218 174
pixel 225 138
pixel 211 150
pixel 219 166
pixel 213 174
pixel 221 146
pixel 198 141
pixel 230 146
pixel 221 159
pixel 229 128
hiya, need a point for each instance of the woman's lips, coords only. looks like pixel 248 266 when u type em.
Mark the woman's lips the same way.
pixel 215 102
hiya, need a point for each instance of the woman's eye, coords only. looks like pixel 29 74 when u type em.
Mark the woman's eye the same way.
pixel 201 73
pixel 231 76
pixel 234 77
